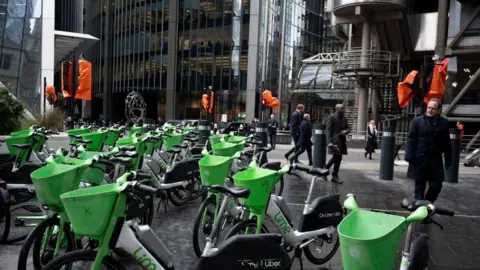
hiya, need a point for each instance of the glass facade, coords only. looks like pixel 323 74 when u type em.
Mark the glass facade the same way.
pixel 20 50
pixel 211 50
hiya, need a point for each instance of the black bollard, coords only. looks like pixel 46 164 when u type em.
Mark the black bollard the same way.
pixel 261 132
pixel 203 131
pixel 451 175
pixel 387 153
pixel 319 146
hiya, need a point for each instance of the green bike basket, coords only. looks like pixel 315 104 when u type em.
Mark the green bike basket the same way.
pixel 214 139
pixel 53 180
pixel 369 240
pixel 18 139
pixel 98 138
pixel 92 176
pixel 77 131
pixel 134 129
pixel 214 169
pixel 226 149
pixel 260 183
pixel 23 132
pixel 124 141
pixel 89 209
pixel 176 138
pixel 237 139
pixel 112 138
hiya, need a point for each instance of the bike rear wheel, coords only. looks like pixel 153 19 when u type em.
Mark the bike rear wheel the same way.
pixel 243 226
pixel 317 256
pixel 85 259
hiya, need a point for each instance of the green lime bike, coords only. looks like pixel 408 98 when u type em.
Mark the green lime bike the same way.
pixel 369 239
pixel 100 213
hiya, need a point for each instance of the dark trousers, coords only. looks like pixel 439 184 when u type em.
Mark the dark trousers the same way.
pixel 434 188
pixel 336 160
pixel 294 149
pixel 273 139
pixel 301 150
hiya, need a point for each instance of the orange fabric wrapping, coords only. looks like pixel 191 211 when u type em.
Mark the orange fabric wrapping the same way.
pixel 84 90
pixel 50 94
pixel 67 92
pixel 205 101
pixel 211 102
pixel 404 94
pixel 267 96
pixel 437 86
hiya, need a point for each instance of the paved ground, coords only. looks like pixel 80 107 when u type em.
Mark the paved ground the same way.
pixel 456 247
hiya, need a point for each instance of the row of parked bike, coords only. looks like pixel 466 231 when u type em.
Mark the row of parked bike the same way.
pixel 95 203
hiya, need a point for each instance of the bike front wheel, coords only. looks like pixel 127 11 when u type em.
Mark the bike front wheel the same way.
pixel 82 259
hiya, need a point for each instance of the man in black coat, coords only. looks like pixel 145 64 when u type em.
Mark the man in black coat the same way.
pixel 305 140
pixel 295 122
pixel 337 130
pixel 427 140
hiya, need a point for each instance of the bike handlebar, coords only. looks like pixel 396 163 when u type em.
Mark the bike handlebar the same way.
pixel 444 211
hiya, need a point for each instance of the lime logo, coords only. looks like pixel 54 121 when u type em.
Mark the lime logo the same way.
pixel 144 260
pixel 282 222
pixel 355 253
pixel 87 211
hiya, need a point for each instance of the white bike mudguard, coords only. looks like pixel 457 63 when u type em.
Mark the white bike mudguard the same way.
pixel 129 242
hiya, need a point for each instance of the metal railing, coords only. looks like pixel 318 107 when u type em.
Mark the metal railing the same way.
pixel 374 63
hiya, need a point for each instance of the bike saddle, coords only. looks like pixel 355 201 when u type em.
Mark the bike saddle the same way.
pixel 72 144
pixel 183 145
pixel 272 165
pixel 130 154
pixel 174 150
pixel 238 192
pixel 123 160
pixel 412 204
pixel 22 146
pixel 256 142
pixel 319 172
pixel 85 141
pixel 75 136
pixel 127 148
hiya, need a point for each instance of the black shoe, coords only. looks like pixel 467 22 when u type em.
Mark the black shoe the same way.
pixel 286 157
pixel 365 154
pixel 335 179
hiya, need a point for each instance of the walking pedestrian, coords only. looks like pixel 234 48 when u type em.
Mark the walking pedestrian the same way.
pixel 371 139
pixel 337 130
pixel 272 130
pixel 428 138
pixel 295 122
pixel 305 140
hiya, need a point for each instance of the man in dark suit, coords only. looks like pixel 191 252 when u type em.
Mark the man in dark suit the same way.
pixel 305 140
pixel 337 130
pixel 295 122
pixel 427 140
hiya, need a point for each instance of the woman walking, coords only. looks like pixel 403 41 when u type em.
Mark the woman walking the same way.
pixel 372 139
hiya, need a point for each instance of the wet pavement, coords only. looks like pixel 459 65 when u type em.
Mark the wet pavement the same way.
pixel 456 247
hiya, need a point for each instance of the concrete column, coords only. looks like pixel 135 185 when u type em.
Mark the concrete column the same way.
pixel 281 79
pixel 375 104
pixel 362 86
pixel 171 101
pixel 48 52
pixel 442 29
pixel 107 94
pixel 252 59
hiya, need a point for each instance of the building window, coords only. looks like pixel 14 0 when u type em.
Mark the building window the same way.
pixel 5 61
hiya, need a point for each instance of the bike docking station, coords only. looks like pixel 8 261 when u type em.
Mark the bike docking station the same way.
pixel 319 146
pixel 387 156
pixel 451 174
